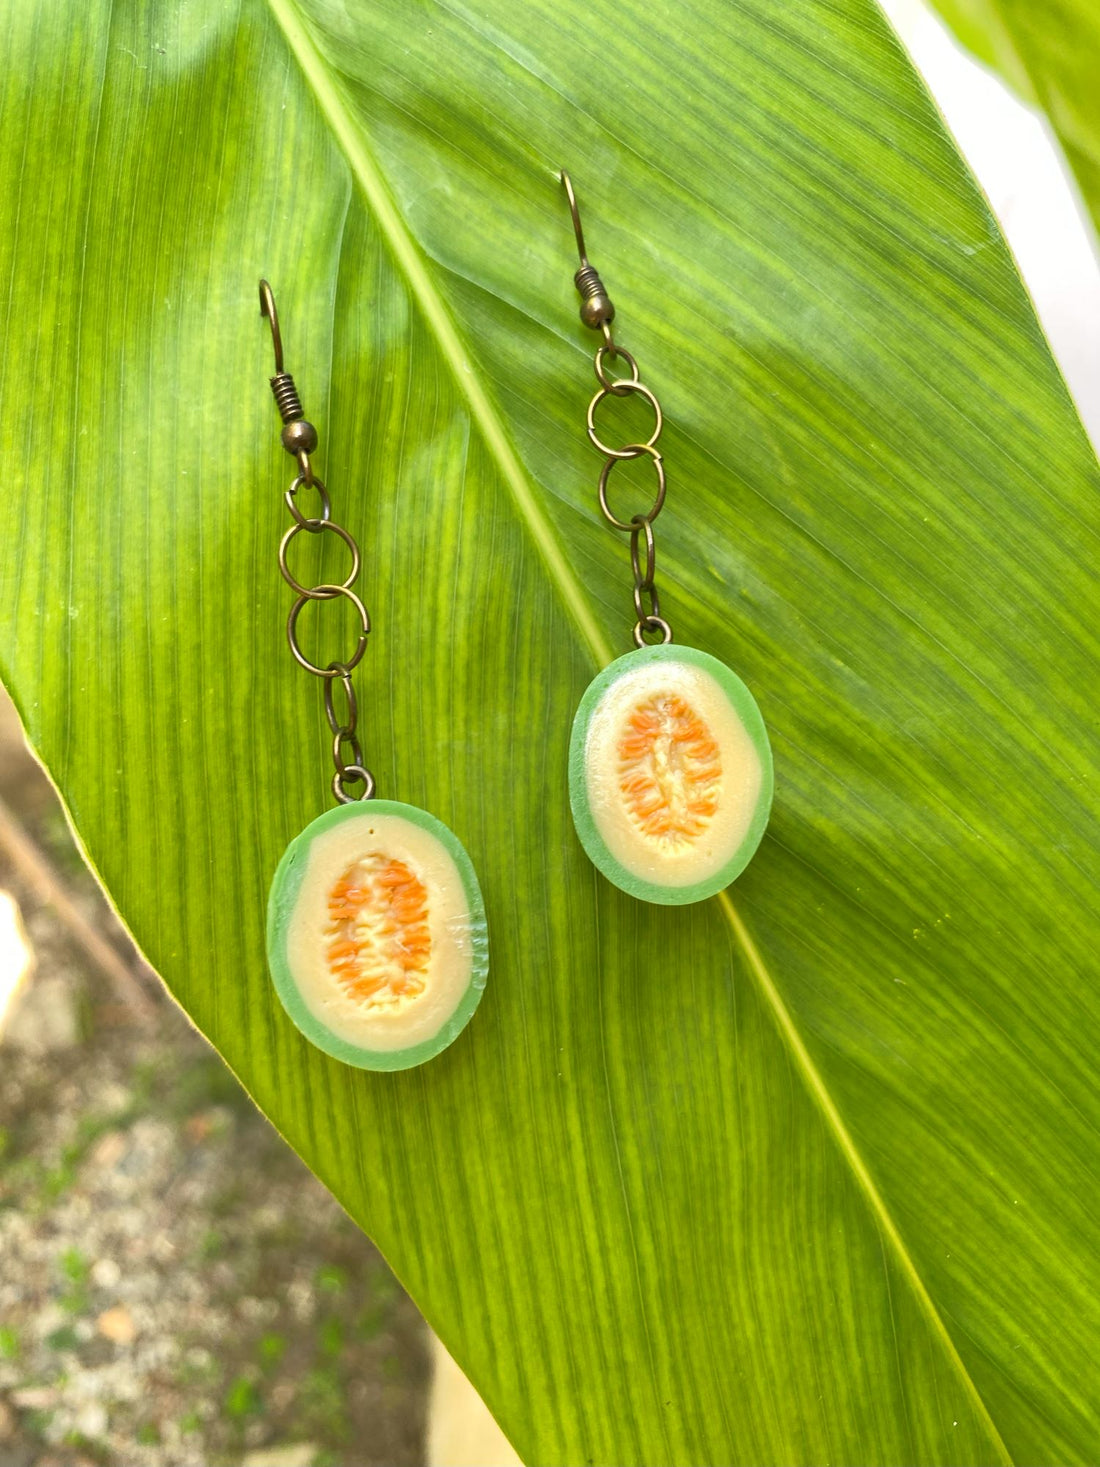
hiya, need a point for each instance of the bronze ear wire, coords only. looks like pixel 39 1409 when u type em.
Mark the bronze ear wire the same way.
pixel 597 313
pixel 299 438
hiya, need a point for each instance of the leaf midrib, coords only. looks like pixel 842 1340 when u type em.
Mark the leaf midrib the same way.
pixel 440 323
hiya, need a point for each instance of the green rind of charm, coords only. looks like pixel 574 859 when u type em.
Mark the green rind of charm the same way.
pixel 281 902
pixel 744 706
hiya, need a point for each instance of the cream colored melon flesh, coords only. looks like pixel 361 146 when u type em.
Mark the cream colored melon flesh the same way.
pixel 377 934
pixel 670 774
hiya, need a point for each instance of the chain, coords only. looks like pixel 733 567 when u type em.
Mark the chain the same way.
pixel 643 545
pixel 299 438
pixel 597 312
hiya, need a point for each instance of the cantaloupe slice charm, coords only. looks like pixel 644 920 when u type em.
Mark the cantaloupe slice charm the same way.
pixel 670 774
pixel 670 770
pixel 376 934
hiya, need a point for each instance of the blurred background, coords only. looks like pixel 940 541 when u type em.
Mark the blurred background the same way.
pixel 175 1287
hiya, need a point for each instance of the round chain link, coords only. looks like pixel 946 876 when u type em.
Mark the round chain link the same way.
pixel 354 772
pixel 638 450
pixel 327 593
pixel 617 386
pixel 643 562
pixel 291 497
pixel 623 389
pixel 314 527
pixel 652 624
pixel 347 754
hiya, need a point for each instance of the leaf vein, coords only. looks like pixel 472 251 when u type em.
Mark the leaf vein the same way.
pixel 816 1086
pixel 439 321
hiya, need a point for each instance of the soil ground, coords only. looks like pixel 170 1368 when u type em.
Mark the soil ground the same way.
pixel 175 1287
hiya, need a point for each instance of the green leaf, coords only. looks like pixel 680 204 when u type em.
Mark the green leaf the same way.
pixel 1049 51
pixel 798 1175
pixel 981 27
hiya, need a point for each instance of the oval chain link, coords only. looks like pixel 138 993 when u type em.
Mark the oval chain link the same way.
pixel 643 548
pixel 347 755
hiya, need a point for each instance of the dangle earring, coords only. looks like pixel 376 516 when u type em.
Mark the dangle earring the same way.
pixel 670 770
pixel 376 932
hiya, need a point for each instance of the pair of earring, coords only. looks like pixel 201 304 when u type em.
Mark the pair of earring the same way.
pixel 376 930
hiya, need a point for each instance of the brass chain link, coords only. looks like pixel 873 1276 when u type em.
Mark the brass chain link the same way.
pixel 643 562
pixel 299 438
pixel 597 312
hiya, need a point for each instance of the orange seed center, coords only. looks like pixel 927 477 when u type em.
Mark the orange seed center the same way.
pixel 670 770
pixel 378 942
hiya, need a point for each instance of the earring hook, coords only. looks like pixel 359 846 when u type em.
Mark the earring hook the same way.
pixel 267 308
pixel 597 311
pixel 567 184
pixel 299 436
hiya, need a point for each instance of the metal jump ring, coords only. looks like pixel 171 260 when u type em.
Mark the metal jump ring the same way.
pixel 352 771
pixel 326 509
pixel 624 389
pixel 647 588
pixel 333 669
pixel 351 720
pixel 642 526
pixel 617 386
pixel 636 450
pixel 341 737
pixel 314 528
pixel 652 624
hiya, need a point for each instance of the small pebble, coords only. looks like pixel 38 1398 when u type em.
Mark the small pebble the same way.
pixel 117 1325
pixel 106 1273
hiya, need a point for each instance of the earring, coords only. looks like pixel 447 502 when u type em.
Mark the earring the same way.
pixel 376 933
pixel 670 769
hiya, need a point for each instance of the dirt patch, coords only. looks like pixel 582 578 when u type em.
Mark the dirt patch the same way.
pixel 175 1287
